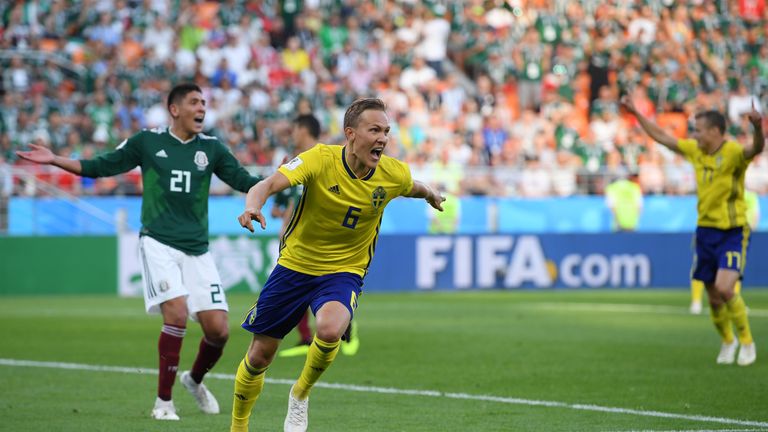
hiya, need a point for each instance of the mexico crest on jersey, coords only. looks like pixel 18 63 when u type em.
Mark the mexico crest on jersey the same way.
pixel 378 196
pixel 201 160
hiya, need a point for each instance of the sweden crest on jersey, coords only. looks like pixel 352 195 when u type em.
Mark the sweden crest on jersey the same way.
pixel 378 196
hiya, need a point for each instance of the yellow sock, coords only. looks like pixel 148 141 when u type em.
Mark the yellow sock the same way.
pixel 248 384
pixel 737 287
pixel 319 357
pixel 722 321
pixel 697 289
pixel 738 313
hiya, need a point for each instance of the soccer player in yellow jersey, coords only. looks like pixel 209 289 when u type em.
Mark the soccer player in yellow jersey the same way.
pixel 324 253
pixel 722 232
pixel 305 133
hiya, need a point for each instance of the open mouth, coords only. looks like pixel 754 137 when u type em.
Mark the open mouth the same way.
pixel 199 120
pixel 376 153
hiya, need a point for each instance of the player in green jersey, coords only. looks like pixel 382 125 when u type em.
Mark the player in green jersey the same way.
pixel 180 278
pixel 722 232
pixel 324 253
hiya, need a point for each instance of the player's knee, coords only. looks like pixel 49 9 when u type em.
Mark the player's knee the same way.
pixel 329 332
pixel 725 289
pixel 218 336
pixel 331 322
pixel 716 302
pixel 262 351
pixel 175 313
pixel 178 320
pixel 260 359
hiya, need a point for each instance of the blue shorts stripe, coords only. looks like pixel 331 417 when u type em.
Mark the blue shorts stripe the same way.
pixel 745 247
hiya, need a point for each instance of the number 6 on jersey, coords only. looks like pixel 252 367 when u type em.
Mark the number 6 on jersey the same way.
pixel 350 220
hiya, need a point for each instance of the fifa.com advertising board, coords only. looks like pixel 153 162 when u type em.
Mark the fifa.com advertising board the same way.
pixel 626 260
pixel 457 262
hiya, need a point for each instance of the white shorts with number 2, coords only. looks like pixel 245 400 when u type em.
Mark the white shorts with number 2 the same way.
pixel 168 273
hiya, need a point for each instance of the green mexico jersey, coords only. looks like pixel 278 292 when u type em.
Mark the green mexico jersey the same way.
pixel 176 176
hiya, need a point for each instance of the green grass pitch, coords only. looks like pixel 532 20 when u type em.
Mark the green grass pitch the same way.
pixel 617 360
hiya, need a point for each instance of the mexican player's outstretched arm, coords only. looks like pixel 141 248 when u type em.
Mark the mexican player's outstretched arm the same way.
pixel 229 170
pixel 256 198
pixel 44 156
pixel 422 190
pixel 126 157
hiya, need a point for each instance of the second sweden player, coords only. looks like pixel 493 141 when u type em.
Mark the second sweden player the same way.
pixel 722 232
pixel 324 253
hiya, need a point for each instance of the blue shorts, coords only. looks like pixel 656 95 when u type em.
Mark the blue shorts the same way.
pixel 287 295
pixel 719 249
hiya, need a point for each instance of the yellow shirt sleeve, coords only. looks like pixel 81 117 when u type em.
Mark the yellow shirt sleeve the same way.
pixel 688 147
pixel 303 168
pixel 407 179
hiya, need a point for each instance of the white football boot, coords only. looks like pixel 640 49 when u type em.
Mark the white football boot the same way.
pixel 204 398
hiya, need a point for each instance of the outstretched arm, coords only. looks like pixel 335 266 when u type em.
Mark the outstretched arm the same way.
pixel 44 156
pixel 229 170
pixel 421 190
pixel 758 138
pixel 652 129
pixel 256 198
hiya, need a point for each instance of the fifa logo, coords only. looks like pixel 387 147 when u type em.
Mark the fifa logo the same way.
pixel 378 196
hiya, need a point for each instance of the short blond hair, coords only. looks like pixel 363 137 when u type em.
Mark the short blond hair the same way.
pixel 352 116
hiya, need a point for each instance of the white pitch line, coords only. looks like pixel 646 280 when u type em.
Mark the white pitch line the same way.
pixel 624 308
pixel 697 430
pixel 408 392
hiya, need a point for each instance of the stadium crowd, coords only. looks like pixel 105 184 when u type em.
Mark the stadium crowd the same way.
pixel 515 98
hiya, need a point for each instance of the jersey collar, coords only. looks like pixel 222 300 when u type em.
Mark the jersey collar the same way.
pixel 349 170
pixel 717 150
pixel 179 139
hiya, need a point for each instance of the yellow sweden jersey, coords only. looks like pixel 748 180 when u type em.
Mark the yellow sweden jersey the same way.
pixel 720 183
pixel 335 226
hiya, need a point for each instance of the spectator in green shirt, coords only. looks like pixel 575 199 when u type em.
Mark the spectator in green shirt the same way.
pixel 447 221
pixel 625 200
